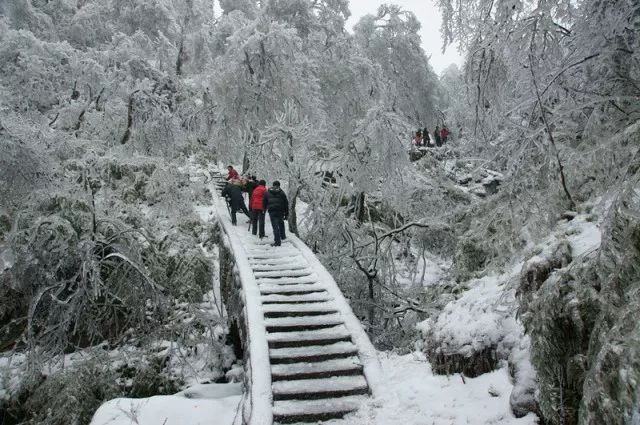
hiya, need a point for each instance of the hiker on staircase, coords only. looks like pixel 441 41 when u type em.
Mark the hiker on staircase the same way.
pixel 233 192
pixel 277 204
pixel 256 205
pixel 233 174
pixel 251 184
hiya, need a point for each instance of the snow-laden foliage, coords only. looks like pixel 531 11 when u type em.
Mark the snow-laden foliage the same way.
pixel 102 102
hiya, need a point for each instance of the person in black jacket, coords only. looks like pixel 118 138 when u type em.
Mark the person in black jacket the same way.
pixel 277 204
pixel 233 193
pixel 251 184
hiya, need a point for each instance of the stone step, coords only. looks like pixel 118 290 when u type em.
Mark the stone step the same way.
pixel 278 267
pixel 275 324
pixel 276 274
pixel 287 280
pixel 313 389
pixel 313 370
pixel 306 309
pixel 274 252
pixel 299 259
pixel 303 288
pixel 308 337
pixel 296 298
pixel 314 411
pixel 312 353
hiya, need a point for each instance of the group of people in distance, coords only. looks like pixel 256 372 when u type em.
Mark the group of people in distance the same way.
pixel 261 200
pixel 439 137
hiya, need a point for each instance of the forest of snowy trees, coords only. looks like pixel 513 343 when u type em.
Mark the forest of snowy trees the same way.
pixel 525 227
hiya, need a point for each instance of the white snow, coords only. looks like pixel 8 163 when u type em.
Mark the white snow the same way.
pixel 584 236
pixel 414 396
pixel 201 405
pixel 300 308
pixel 321 319
pixel 335 383
pixel 288 280
pixel 312 350
pixel 327 365
pixel 313 296
pixel 476 320
pixel 332 333
pixel 340 404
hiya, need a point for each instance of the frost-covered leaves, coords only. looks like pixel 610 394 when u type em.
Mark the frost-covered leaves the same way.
pixel 70 396
pixel 560 320
pixel 611 384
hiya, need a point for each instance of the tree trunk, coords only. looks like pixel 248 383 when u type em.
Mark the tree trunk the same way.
pixel 293 218
pixel 245 162
pixel 127 133
pixel 372 298
pixel 359 207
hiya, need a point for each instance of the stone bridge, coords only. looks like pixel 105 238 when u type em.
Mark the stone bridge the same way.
pixel 306 356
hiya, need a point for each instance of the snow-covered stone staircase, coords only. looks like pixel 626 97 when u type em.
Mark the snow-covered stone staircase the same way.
pixel 316 374
pixel 315 357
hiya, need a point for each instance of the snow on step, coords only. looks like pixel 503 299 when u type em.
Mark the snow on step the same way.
pixel 298 260
pixel 325 319
pixel 316 407
pixel 299 308
pixel 275 252
pixel 312 278
pixel 348 363
pixel 342 347
pixel 282 266
pixel 334 333
pixel 267 288
pixel 303 298
pixel 284 273
pixel 322 385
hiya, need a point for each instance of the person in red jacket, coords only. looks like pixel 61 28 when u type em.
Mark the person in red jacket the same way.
pixel 444 133
pixel 233 174
pixel 256 204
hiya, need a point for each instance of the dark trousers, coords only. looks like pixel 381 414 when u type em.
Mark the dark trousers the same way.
pixel 257 222
pixel 277 223
pixel 242 207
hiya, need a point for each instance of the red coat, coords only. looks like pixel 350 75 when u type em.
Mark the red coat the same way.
pixel 233 174
pixel 444 133
pixel 257 198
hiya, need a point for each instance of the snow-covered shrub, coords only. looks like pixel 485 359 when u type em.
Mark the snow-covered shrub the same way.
pixel 470 256
pixel 82 277
pixel 70 396
pixel 558 305
pixel 611 390
pixel 148 377
pixel 522 399
pixel 473 333
pixel 559 320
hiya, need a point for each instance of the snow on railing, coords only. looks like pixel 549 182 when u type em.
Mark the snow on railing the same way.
pixel 366 351
pixel 260 395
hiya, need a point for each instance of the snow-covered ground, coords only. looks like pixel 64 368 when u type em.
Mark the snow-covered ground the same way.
pixel 198 405
pixel 413 395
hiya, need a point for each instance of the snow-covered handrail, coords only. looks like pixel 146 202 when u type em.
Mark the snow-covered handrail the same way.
pixel 367 352
pixel 260 395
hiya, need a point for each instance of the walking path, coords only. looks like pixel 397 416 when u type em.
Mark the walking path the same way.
pixel 321 364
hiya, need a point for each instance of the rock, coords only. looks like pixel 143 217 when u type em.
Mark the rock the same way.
pixel 493 392
pixel 569 215
pixel 465 179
